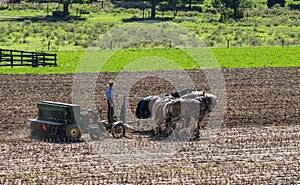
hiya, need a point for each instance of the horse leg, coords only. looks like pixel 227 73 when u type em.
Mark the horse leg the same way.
pixel 197 137
pixel 155 127
pixel 160 123
pixel 187 122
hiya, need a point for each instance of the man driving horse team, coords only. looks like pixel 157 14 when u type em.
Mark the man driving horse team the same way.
pixel 110 103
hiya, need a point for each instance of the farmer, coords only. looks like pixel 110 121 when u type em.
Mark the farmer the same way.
pixel 110 103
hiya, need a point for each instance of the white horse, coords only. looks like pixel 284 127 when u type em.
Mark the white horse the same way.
pixel 145 106
pixel 188 108
pixel 157 112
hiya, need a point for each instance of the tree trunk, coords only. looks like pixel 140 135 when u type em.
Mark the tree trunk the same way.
pixel 190 5
pixel 66 9
pixel 153 8
pixel 234 9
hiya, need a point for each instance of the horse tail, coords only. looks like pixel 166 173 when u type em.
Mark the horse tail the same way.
pixel 138 111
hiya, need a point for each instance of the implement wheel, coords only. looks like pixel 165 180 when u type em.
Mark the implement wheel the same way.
pixel 37 131
pixel 73 132
pixel 118 130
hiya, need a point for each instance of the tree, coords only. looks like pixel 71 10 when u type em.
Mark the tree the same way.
pixel 65 4
pixel 153 7
pixel 140 4
pixel 66 7
pixel 191 2
pixel 174 5
pixel 152 4
pixel 230 8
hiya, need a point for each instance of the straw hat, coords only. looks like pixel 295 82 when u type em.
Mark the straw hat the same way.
pixel 111 82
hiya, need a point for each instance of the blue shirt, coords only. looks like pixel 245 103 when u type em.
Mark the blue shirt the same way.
pixel 109 93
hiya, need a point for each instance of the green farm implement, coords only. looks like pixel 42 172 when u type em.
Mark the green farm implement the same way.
pixel 65 121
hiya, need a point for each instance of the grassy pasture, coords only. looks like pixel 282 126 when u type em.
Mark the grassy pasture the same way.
pixel 26 27
pixel 166 59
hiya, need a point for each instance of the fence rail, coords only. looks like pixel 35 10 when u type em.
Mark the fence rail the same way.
pixel 24 58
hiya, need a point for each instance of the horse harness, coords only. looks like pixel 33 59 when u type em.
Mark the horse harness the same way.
pixel 201 113
pixel 206 103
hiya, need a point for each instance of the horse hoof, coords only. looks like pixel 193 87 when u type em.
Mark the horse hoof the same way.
pixel 195 139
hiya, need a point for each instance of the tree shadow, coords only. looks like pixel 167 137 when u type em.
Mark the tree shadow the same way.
pixel 137 19
pixel 41 19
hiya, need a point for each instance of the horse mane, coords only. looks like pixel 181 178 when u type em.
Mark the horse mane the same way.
pixel 182 92
pixel 193 95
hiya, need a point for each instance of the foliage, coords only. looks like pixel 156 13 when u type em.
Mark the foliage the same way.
pixel 294 6
pixel 65 3
pixel 25 27
pixel 271 3
pixel 231 8
pixel 164 5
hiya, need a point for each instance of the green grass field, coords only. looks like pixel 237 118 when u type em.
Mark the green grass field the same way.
pixel 166 59
pixel 252 57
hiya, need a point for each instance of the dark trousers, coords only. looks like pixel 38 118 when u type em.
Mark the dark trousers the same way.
pixel 110 113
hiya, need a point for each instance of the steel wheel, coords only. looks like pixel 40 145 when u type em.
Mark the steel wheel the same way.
pixel 118 130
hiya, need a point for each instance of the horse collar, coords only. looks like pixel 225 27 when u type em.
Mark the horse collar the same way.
pixel 206 103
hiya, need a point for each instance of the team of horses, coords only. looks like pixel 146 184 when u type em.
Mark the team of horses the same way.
pixel 175 112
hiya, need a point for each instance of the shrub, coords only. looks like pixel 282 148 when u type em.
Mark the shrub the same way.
pixel 26 34
pixel 3 7
pixel 294 6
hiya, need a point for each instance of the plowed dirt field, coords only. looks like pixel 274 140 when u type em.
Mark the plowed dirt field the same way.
pixel 258 141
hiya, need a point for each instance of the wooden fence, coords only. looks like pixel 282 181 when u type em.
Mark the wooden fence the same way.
pixel 23 58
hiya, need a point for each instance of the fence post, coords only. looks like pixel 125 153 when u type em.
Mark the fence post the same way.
pixel 21 57
pixel 44 59
pixel 55 64
pixel 228 43
pixel 34 60
pixel 11 59
pixel 282 42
